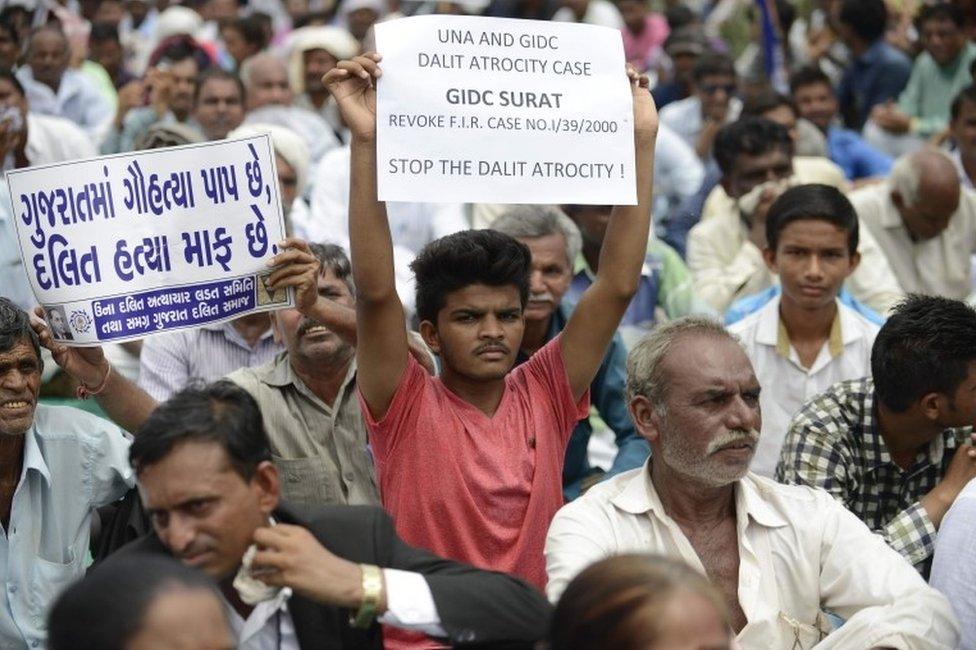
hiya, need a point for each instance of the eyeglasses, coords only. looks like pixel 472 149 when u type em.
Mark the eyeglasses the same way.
pixel 711 89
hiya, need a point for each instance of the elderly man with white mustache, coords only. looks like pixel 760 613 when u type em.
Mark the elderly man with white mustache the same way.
pixel 782 556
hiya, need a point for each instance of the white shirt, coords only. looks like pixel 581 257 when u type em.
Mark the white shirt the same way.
pixel 954 563
pixel 77 99
pixel 678 171
pixel 800 552
pixel 786 384
pixel 412 225
pixel 956 156
pixel 684 117
pixel 409 605
pixel 598 12
pixel 937 266
pixel 52 139
pixel 726 266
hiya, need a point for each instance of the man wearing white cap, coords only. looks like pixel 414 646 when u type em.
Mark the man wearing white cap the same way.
pixel 315 51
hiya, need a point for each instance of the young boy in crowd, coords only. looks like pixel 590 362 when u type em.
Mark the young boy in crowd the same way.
pixel 470 462
pixel 805 339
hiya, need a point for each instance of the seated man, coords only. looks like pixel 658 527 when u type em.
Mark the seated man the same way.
pixel 665 287
pixel 55 89
pixel 816 102
pixel 925 224
pixel 57 465
pixel 938 74
pixel 954 562
pixel 270 101
pixel 315 51
pixel 724 252
pixel 805 340
pixel 779 555
pixel 713 104
pixel 172 86
pixel 481 446
pixel 554 242
pixel 213 495
pixel 962 129
pixel 878 71
pixel 896 449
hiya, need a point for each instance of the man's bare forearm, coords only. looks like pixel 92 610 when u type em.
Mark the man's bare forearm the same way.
pixel 370 242
pixel 125 403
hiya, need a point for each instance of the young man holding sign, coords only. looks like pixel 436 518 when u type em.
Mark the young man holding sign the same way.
pixel 470 463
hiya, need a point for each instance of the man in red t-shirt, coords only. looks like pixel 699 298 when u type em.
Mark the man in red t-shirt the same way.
pixel 470 462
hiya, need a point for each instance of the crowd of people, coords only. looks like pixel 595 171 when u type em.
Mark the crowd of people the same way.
pixel 737 414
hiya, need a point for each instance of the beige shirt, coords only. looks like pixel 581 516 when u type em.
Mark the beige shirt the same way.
pixel 938 266
pixel 320 450
pixel 800 553
pixel 726 266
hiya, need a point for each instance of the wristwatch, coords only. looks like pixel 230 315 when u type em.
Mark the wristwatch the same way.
pixel 372 593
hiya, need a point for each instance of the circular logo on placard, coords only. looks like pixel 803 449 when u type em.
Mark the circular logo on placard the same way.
pixel 80 321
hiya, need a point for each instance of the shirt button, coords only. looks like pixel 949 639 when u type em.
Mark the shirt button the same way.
pixel 34 643
pixel 13 589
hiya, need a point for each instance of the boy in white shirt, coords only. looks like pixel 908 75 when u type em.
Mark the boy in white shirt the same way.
pixel 805 340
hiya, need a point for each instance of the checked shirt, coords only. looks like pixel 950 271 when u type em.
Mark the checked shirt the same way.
pixel 834 443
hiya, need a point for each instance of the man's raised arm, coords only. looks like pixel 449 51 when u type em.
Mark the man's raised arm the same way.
pixel 597 316
pixel 381 352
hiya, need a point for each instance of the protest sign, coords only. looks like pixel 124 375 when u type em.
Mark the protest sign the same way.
pixel 119 247
pixel 495 110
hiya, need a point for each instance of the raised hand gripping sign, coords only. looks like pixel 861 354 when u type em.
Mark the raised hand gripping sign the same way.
pixel 496 110
pixel 119 247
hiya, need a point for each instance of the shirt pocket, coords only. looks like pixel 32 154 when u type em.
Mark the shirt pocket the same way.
pixel 307 481
pixel 801 636
pixel 47 581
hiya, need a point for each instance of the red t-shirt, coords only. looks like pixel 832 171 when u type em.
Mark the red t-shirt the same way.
pixel 474 488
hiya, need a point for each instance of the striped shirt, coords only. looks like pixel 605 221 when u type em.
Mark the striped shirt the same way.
pixel 170 361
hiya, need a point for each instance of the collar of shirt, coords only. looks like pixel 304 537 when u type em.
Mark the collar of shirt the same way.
pixel 639 497
pixel 279 373
pixel 772 330
pixel 33 458
pixel 266 614
pixel 72 82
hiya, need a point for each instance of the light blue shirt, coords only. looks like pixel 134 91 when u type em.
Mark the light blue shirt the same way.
pixel 13 279
pixel 74 462
pixel 954 562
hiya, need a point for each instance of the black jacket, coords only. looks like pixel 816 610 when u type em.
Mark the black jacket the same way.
pixel 477 608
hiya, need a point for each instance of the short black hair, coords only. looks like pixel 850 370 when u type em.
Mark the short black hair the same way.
pixel 925 346
pixel 465 258
pixel 967 94
pixel 15 327
pixel 101 32
pixel 8 74
pixel 941 10
pixel 251 29
pixel 334 258
pixel 752 136
pixel 812 202
pixel 809 76
pixel 868 18
pixel 117 594
pixel 222 413
pixel 711 65
pixel 679 15
pixel 179 48
pixel 219 73
pixel 764 101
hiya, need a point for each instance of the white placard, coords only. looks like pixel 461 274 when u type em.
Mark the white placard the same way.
pixel 495 110
pixel 119 247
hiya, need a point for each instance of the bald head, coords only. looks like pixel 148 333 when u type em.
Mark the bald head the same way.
pixel 265 77
pixel 48 55
pixel 925 190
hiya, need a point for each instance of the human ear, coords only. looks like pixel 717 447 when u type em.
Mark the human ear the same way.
pixel 428 331
pixel 646 418
pixel 933 405
pixel 769 256
pixel 267 484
